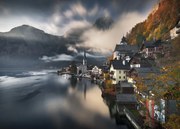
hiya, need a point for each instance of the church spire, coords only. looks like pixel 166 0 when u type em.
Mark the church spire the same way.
pixel 84 59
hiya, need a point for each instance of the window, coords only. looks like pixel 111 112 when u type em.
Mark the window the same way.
pixel 124 77
pixel 124 72
pixel 119 77
pixel 119 71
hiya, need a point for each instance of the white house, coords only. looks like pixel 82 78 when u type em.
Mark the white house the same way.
pixel 96 70
pixel 118 70
pixel 175 31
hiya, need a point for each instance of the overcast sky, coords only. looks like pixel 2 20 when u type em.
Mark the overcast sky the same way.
pixel 58 16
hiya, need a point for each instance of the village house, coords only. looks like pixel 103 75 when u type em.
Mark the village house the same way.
pixel 176 30
pixel 118 70
pixel 160 110
pixel 138 61
pixel 96 71
pixel 143 73
pixel 157 110
pixel 150 48
pixel 126 100
pixel 124 51
pixel 125 88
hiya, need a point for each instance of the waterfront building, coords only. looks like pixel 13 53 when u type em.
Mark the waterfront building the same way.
pixel 124 51
pixel 118 70
pixel 96 71
pixel 150 48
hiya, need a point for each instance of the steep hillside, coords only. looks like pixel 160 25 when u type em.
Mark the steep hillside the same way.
pixel 158 24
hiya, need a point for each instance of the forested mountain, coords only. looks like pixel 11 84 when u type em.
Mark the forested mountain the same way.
pixel 29 42
pixel 162 19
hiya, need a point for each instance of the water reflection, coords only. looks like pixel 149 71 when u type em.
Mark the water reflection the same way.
pixel 49 102
pixel 73 82
pixel 115 114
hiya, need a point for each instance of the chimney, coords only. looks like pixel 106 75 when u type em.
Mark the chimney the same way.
pixel 124 62
pixel 118 57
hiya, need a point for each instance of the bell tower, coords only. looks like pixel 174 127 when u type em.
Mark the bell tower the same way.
pixel 84 59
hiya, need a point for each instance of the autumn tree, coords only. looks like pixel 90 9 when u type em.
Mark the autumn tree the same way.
pixel 140 84
pixel 73 67
pixel 173 122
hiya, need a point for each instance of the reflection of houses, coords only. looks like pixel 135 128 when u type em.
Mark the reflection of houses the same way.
pixel 118 70
pixel 82 69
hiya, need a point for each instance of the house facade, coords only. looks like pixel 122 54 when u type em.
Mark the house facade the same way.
pixel 96 71
pixel 124 51
pixel 118 71
pixel 175 31
pixel 149 49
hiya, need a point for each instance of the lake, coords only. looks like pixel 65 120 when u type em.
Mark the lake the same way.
pixel 43 100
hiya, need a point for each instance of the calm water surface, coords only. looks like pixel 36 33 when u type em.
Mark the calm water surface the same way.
pixel 43 100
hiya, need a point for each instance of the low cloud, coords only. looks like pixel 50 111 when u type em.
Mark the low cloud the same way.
pixel 72 49
pixel 106 40
pixel 92 55
pixel 62 57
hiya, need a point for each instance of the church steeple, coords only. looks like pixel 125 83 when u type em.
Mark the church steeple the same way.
pixel 84 59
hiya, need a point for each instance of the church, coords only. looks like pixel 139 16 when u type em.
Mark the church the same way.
pixel 82 69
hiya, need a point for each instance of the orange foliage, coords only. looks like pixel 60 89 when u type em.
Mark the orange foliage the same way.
pixel 158 23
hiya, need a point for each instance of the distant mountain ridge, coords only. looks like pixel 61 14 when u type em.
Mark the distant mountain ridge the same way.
pixel 26 45
pixel 27 41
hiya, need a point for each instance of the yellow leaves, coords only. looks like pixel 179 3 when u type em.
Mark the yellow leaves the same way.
pixel 140 84
pixel 173 122
pixel 157 24
pixel 108 83
pixel 106 76
pixel 167 85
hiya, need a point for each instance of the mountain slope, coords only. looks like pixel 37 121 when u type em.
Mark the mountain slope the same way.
pixel 158 24
pixel 26 41
pixel 25 46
